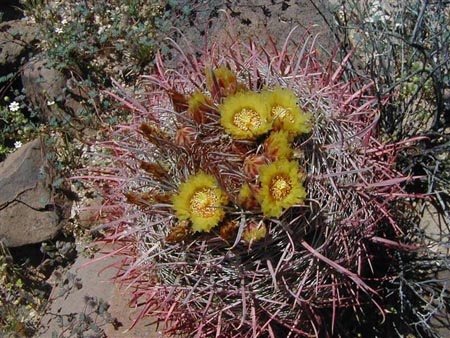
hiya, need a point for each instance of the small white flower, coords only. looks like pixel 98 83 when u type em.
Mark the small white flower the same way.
pixel 379 13
pixel 101 29
pixel 376 3
pixel 17 144
pixel 50 103
pixel 14 106
pixel 58 30
pixel 33 314
pixel 64 21
pixel 30 19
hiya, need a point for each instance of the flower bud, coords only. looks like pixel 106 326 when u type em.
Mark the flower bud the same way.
pixel 254 232
pixel 221 82
pixel 252 164
pixel 185 136
pixel 246 198
pixel 199 106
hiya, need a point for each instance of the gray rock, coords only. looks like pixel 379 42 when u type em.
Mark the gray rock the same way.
pixel 253 19
pixel 433 225
pixel 15 38
pixel 28 213
pixel 43 85
pixel 79 291
pixel 257 20
pixel 436 232
pixel 48 89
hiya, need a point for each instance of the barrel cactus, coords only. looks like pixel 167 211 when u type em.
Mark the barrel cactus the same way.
pixel 249 195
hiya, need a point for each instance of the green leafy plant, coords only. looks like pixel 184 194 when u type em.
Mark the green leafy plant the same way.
pixel 88 323
pixel 18 123
pixel 98 37
pixel 90 42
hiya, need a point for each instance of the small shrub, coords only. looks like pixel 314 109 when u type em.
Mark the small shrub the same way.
pixel 403 47
pixel 98 38
pixel 89 42
pixel 18 123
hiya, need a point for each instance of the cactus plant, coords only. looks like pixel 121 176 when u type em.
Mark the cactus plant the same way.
pixel 249 194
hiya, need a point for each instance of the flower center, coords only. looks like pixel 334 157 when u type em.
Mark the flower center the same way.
pixel 247 119
pixel 203 201
pixel 280 187
pixel 279 112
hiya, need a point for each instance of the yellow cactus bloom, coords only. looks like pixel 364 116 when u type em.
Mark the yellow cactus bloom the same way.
pixel 198 105
pixel 246 197
pixel 245 115
pixel 286 113
pixel 254 232
pixel 281 187
pixel 201 201
pixel 277 146
pixel 221 80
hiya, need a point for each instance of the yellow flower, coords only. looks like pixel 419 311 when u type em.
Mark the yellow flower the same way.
pixel 246 197
pixel 200 201
pixel 245 115
pixel 221 80
pixel 198 106
pixel 276 146
pixel 286 113
pixel 254 232
pixel 281 187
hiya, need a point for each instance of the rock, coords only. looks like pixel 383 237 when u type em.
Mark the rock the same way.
pixel 43 85
pixel 255 20
pixel 28 213
pixel 252 19
pixel 87 212
pixel 435 230
pixel 49 89
pixel 15 39
pixel 80 291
